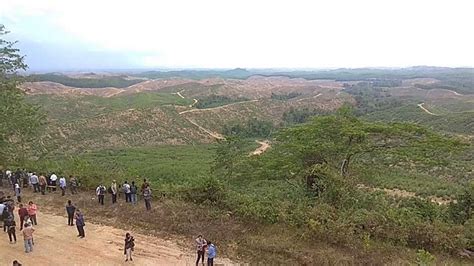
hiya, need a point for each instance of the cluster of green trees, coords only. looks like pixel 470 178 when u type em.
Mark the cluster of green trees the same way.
pixel 252 128
pixel 19 120
pixel 216 100
pixel 302 115
pixel 370 98
pixel 283 97
pixel 101 82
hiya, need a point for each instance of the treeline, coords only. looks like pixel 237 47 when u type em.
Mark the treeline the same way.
pixel 217 100
pixel 298 116
pixel 370 98
pixel 100 82
pixel 251 128
pixel 283 97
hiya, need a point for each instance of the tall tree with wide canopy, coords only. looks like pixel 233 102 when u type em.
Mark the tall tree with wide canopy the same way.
pixel 19 120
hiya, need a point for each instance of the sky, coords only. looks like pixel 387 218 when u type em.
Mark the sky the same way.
pixel 102 34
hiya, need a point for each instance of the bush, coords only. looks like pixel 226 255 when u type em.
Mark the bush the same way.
pixel 202 190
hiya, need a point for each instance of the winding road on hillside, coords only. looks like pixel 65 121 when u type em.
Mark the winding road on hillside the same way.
pixel 426 110
pixel 264 145
pixel 216 108
pixel 211 133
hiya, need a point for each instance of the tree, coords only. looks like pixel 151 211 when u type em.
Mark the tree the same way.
pixel 228 155
pixel 336 140
pixel 19 120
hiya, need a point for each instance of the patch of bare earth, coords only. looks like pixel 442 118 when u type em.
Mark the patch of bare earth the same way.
pixel 400 193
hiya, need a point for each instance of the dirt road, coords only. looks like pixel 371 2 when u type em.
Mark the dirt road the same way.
pixel 56 244
pixel 264 145
pixel 216 108
pixel 424 109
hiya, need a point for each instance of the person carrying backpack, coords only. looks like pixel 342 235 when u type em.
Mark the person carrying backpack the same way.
pixel 126 190
pixel 100 191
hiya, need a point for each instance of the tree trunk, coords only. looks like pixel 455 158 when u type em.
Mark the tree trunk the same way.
pixel 345 165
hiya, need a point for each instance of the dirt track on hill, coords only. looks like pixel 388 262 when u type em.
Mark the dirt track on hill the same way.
pixel 426 110
pixel 264 145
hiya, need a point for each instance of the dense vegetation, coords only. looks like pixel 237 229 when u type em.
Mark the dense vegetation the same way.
pixel 90 82
pixel 216 100
pixel 252 128
pixel 19 120
pixel 298 116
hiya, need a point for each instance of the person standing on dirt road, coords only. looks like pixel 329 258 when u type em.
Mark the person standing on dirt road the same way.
pixel 32 208
pixel 28 237
pixel 200 246
pixel 22 213
pixel 113 190
pixel 80 224
pixel 100 192
pixel 34 182
pixel 11 230
pixel 129 246
pixel 147 197
pixel 18 192
pixel 70 210
pixel 211 253
pixel 42 183
pixel 62 185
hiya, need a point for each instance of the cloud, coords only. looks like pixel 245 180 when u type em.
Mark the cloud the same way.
pixel 246 33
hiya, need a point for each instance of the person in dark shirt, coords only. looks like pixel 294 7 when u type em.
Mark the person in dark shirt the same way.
pixel 22 213
pixel 70 209
pixel 80 223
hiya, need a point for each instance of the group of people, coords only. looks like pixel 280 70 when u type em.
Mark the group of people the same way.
pixel 22 179
pixel 27 215
pixel 202 245
pixel 129 190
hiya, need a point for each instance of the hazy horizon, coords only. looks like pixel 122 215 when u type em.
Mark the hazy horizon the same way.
pixel 108 35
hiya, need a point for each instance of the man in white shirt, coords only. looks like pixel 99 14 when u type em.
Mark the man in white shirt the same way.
pixel 62 185
pixel 126 190
pixel 34 182
pixel 53 179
